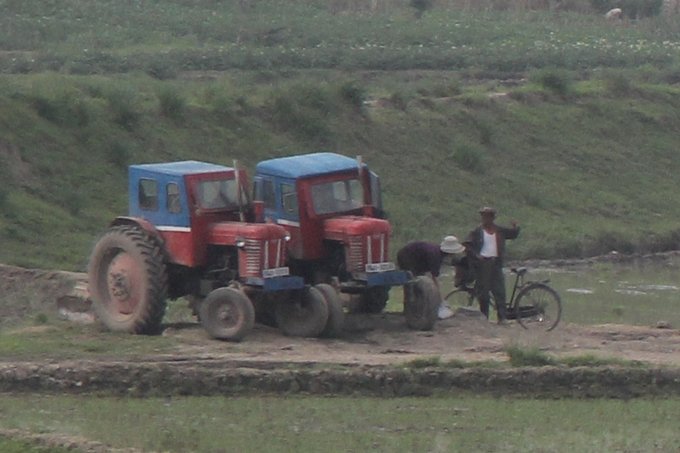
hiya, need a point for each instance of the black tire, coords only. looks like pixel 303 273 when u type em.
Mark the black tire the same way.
pixel 128 281
pixel 538 306
pixel 265 304
pixel 373 300
pixel 421 301
pixel 305 314
pixel 336 316
pixel 460 298
pixel 227 314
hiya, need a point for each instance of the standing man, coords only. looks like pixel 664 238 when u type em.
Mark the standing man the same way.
pixel 486 243
pixel 422 257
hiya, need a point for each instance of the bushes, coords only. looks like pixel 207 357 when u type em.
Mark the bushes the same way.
pixel 119 155
pixel 302 111
pixel 469 158
pixel 171 104
pixel 617 83
pixel 421 6
pixel 353 94
pixel 556 81
pixel 67 109
pixel 306 109
pixel 123 107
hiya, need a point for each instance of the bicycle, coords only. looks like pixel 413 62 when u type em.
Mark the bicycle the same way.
pixel 534 304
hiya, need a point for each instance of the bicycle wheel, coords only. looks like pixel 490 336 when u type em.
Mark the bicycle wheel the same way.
pixel 538 307
pixel 460 298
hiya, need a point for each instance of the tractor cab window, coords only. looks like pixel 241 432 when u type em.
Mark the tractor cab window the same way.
pixel 220 194
pixel 174 204
pixel 148 194
pixel 289 199
pixel 337 196
pixel 268 194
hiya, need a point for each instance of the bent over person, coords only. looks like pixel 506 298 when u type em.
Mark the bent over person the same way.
pixel 421 257
pixel 486 243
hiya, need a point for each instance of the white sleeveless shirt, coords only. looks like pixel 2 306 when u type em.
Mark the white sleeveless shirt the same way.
pixel 489 246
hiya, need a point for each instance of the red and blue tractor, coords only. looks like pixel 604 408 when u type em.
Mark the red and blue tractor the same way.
pixel 189 233
pixel 312 232
pixel 331 206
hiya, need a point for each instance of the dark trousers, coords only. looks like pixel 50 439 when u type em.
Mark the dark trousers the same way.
pixel 490 280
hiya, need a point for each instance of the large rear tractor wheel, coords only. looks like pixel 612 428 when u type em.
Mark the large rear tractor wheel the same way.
pixel 421 301
pixel 305 314
pixel 227 314
pixel 336 316
pixel 128 281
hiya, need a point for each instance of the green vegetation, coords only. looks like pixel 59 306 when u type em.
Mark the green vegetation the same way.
pixel 66 340
pixel 351 424
pixel 9 445
pixel 572 121
pixel 528 357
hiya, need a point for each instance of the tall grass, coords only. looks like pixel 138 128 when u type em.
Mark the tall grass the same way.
pixel 353 424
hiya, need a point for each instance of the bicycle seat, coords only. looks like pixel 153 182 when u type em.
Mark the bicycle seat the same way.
pixel 519 270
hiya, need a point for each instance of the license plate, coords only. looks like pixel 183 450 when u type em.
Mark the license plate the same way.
pixel 276 272
pixel 380 267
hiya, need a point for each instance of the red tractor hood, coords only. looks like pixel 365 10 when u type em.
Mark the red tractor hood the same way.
pixel 366 240
pixel 226 233
pixel 341 228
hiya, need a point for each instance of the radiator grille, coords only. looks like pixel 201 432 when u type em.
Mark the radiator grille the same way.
pixel 253 250
pixel 362 250
pixel 355 254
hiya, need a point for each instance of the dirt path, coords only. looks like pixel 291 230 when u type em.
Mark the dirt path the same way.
pixel 384 339
pixel 368 339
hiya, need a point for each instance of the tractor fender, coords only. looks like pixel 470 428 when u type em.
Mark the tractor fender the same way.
pixel 140 223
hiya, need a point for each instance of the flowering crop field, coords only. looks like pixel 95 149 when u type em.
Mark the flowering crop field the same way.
pixel 162 38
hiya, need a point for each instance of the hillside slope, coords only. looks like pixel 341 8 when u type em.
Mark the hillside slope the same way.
pixel 584 175
pixel 563 121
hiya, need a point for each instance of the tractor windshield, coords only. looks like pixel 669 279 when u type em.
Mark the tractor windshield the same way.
pixel 337 196
pixel 219 194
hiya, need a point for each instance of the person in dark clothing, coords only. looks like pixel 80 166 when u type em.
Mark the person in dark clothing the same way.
pixel 486 244
pixel 464 274
pixel 421 257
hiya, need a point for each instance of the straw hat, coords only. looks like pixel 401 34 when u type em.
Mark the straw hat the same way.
pixel 451 245
pixel 487 210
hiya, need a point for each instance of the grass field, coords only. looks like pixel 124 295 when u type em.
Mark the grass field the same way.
pixel 9 445
pixel 349 424
pixel 572 121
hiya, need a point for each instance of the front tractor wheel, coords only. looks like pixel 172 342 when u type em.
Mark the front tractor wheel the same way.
pixel 128 281
pixel 305 314
pixel 336 316
pixel 421 301
pixel 227 314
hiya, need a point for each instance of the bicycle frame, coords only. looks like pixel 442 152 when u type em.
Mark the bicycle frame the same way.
pixel 527 312
pixel 519 285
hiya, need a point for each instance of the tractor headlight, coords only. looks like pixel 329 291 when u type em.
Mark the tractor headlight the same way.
pixel 240 243
pixel 287 237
